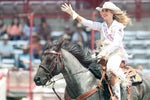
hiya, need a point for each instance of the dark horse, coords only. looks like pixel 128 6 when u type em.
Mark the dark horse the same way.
pixel 75 63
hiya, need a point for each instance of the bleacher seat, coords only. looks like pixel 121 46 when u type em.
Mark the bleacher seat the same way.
pixel 129 35
pixel 139 53
pixel 20 43
pixel 8 61
pixel 126 44
pixel 17 44
pixel 136 51
pixel 136 62
pixel 147 43
pixel 146 70
pixel 37 61
pixel 13 43
pixel 137 44
pixel 130 62
pixel 143 35
pixel 18 51
pixel 148 53
pixel 143 62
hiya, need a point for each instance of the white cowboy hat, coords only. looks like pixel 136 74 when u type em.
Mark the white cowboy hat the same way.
pixel 79 25
pixel 5 36
pixel 25 47
pixel 108 5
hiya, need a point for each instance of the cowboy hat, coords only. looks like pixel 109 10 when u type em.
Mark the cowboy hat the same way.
pixel 24 47
pixel 79 25
pixel 5 36
pixel 109 5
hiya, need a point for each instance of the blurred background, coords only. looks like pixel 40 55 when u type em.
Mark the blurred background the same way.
pixel 39 22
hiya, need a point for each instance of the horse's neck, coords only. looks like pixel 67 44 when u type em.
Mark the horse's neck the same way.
pixel 77 83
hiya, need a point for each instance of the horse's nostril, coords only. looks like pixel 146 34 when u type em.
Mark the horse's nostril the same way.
pixel 36 79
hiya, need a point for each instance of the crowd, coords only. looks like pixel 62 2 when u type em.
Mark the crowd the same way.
pixel 16 31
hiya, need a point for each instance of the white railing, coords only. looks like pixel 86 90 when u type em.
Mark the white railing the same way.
pixel 3 88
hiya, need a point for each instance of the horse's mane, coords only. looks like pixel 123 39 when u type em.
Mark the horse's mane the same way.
pixel 84 57
pixel 82 54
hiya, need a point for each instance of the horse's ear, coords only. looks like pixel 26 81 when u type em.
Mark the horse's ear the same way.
pixel 59 45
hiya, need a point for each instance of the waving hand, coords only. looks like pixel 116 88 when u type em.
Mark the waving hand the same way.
pixel 68 9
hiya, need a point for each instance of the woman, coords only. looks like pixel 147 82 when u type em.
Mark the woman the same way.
pixel 3 27
pixel 26 29
pixel 111 38
pixel 15 29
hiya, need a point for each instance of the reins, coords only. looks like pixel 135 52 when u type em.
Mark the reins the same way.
pixel 52 68
pixel 59 56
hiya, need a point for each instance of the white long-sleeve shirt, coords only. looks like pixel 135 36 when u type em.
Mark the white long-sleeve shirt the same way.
pixel 111 37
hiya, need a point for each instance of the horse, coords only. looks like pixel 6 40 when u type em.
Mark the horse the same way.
pixel 74 62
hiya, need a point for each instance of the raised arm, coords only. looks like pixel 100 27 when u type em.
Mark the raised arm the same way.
pixel 93 25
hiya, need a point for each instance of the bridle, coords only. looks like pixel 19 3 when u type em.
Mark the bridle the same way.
pixel 54 65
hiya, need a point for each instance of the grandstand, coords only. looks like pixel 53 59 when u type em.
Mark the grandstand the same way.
pixel 137 43
pixel 136 40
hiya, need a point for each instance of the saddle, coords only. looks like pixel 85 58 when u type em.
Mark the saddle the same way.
pixel 131 73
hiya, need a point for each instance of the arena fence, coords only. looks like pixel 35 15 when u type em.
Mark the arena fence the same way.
pixel 2 87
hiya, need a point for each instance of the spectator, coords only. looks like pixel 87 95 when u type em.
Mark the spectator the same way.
pixel 6 50
pixel 43 29
pixel 80 4
pixel 26 29
pixel 80 36
pixel 67 33
pixel 74 25
pixel 49 40
pixel 88 31
pixel 23 36
pixel 15 29
pixel 37 47
pixel 3 28
pixel 24 59
pixel 140 68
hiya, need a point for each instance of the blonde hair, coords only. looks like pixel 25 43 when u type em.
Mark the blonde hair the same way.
pixel 121 17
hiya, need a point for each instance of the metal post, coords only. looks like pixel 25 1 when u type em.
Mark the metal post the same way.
pixel 25 6
pixel 30 76
pixel 8 83
pixel 93 33
pixel 138 9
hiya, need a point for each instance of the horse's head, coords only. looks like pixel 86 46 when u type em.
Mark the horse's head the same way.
pixel 50 63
